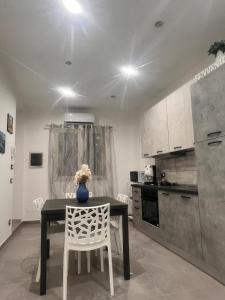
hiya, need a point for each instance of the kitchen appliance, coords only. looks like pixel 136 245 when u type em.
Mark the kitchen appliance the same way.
pixel 137 176
pixel 150 209
pixel 150 174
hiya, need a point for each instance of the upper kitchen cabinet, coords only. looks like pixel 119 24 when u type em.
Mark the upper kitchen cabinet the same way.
pixel 180 124
pixel 208 105
pixel 155 131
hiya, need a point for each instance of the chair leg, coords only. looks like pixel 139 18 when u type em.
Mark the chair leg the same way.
pixel 102 259
pixel 110 271
pixel 38 271
pixel 88 261
pixel 121 234
pixel 65 273
pixel 79 262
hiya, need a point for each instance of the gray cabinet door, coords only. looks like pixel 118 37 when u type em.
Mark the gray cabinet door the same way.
pixel 211 166
pixel 188 230
pixel 208 105
pixel 167 209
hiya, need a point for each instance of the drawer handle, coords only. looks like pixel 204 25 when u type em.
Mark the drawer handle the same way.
pixel 136 207
pixel 146 154
pixel 214 143
pixel 136 192
pixel 185 197
pixel 214 133
pixel 136 201
pixel 165 194
pixel 160 151
pixel 178 147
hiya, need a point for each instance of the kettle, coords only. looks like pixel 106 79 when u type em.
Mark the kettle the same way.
pixel 150 173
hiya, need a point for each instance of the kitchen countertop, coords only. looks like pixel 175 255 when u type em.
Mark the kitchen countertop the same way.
pixel 191 189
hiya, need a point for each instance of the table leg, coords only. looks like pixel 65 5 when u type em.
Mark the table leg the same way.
pixel 43 255
pixel 126 256
pixel 48 248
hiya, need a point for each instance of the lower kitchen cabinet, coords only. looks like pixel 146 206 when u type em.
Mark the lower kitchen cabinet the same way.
pixel 187 223
pixel 179 222
pixel 167 208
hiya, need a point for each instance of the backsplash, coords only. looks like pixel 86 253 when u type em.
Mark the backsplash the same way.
pixel 179 169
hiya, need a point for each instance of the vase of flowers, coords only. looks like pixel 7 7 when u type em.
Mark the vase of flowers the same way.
pixel 81 178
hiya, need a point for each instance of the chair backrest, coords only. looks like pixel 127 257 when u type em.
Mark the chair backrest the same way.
pixel 87 225
pixel 73 195
pixel 70 195
pixel 39 202
pixel 123 198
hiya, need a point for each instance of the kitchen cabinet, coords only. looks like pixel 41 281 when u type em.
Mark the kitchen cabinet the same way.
pixel 187 222
pixel 167 209
pixel 155 131
pixel 137 207
pixel 208 105
pixel 179 221
pixel 211 173
pixel 180 124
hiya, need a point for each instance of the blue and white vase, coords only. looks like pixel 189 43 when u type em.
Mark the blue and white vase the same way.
pixel 82 193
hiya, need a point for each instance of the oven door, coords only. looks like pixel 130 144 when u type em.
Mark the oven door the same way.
pixel 150 209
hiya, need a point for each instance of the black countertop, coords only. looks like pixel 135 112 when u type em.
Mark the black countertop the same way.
pixel 191 189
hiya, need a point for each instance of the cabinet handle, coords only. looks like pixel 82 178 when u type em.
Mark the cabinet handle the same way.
pixel 160 151
pixel 136 192
pixel 214 133
pixel 136 201
pixel 214 143
pixel 135 207
pixel 165 194
pixel 178 147
pixel 185 197
pixel 146 155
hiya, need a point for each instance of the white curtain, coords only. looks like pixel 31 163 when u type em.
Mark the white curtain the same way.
pixel 69 148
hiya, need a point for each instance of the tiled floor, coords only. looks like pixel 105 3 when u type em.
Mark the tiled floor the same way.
pixel 158 273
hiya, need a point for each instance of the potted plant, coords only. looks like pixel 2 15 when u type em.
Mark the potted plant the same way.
pixel 217 49
pixel 81 178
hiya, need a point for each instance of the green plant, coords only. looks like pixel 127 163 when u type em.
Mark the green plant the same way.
pixel 216 47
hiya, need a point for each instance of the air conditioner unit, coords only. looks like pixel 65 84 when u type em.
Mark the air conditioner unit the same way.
pixel 79 118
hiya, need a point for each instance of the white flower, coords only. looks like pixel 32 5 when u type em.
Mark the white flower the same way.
pixel 83 174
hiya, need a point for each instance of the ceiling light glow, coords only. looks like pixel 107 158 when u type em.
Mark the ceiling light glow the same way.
pixel 66 92
pixel 129 71
pixel 73 6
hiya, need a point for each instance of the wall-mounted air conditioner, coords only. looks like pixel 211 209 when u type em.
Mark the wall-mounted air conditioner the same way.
pixel 79 118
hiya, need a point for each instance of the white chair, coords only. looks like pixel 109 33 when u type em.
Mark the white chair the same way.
pixel 87 228
pixel 73 195
pixel 116 225
pixel 39 202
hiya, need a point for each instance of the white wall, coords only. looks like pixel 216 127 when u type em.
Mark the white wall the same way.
pixel 19 168
pixel 7 105
pixel 126 142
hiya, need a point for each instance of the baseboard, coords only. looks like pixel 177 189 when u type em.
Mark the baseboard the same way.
pixel 9 237
pixel 31 222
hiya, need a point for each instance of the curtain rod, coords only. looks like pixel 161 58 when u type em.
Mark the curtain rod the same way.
pixel 49 126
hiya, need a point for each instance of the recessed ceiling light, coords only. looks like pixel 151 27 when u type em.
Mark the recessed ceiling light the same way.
pixel 73 6
pixel 159 24
pixel 68 62
pixel 129 71
pixel 66 92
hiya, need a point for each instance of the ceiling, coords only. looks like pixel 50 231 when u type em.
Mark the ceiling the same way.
pixel 37 37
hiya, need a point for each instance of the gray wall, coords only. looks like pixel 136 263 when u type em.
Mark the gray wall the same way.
pixel 180 169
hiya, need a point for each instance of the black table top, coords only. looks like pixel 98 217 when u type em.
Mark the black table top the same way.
pixel 52 206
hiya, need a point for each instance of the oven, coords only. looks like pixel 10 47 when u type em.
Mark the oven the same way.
pixel 150 208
